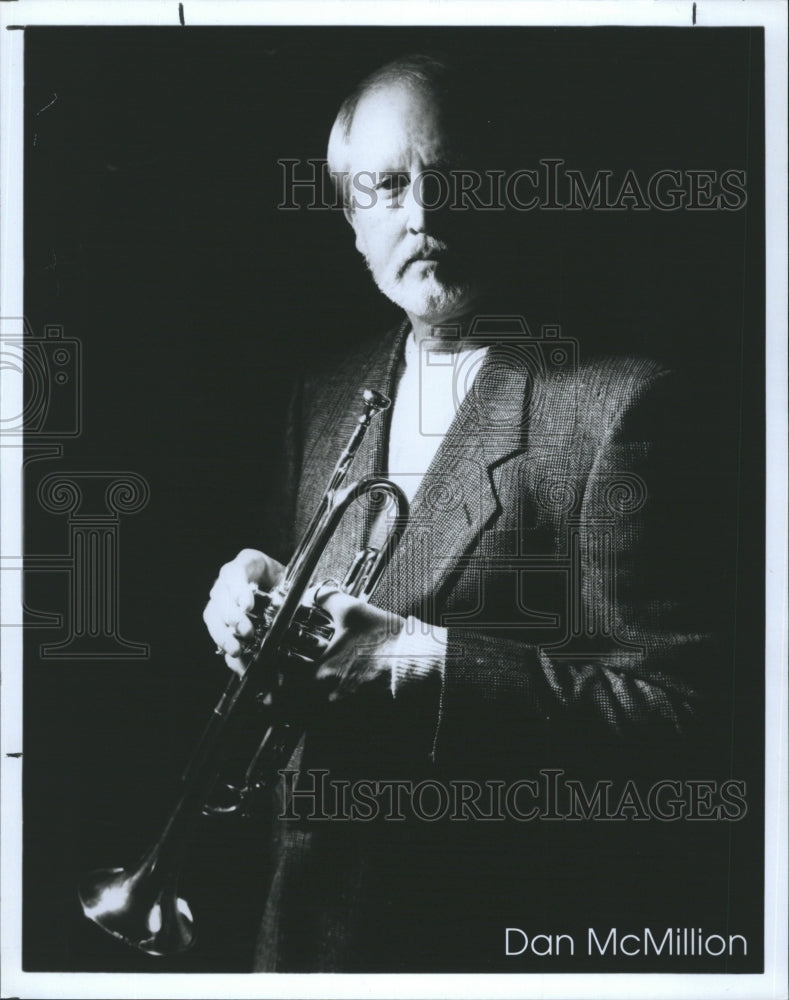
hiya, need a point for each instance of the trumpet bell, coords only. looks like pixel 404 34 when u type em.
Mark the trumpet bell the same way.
pixel 141 906
pixel 130 907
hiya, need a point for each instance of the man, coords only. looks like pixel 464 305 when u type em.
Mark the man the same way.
pixel 550 605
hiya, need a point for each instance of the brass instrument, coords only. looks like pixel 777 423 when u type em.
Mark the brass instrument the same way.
pixel 141 905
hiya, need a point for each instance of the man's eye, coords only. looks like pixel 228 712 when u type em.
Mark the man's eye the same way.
pixel 391 182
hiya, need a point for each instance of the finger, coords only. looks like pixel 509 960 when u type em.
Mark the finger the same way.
pixel 225 604
pixel 250 567
pixel 327 671
pixel 233 590
pixel 227 643
pixel 235 664
pixel 338 604
pixel 243 628
pixel 232 646
pixel 214 622
pixel 334 666
pixel 226 634
pixel 334 680
pixel 353 613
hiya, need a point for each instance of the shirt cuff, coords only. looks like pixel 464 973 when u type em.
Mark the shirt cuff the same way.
pixel 418 652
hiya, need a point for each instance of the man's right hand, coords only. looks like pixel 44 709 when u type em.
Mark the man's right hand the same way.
pixel 232 596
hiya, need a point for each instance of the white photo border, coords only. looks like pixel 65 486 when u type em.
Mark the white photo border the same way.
pixel 772 15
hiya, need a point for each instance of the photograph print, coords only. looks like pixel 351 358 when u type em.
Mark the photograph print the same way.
pixel 393 498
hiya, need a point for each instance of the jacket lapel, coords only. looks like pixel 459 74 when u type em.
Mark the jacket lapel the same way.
pixel 458 497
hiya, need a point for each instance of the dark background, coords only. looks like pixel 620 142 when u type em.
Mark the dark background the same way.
pixel 153 237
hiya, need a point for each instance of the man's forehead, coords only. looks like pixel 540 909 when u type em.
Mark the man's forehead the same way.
pixel 391 125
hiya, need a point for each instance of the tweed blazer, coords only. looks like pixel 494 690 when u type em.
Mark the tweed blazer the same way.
pixel 565 534
pixel 566 537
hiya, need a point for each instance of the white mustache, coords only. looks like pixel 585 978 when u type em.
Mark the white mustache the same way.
pixel 429 250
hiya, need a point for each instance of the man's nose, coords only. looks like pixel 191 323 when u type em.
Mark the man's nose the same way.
pixel 422 200
pixel 413 204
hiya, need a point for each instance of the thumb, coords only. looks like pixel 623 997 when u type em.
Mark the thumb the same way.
pixel 330 598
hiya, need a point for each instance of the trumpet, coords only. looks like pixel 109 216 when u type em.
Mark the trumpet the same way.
pixel 141 905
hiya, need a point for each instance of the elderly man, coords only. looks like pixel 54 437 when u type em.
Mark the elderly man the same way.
pixel 550 606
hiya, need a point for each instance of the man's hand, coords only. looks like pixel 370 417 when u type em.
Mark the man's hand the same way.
pixel 377 653
pixel 359 657
pixel 232 596
pixel 369 653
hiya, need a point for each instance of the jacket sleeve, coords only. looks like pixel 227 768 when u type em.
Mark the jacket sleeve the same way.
pixel 641 658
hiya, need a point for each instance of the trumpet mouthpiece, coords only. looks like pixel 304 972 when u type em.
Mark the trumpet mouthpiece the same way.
pixel 376 400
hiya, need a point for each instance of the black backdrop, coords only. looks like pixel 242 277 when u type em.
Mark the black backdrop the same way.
pixel 153 236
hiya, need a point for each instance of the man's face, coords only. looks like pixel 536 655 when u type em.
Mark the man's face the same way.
pixel 417 257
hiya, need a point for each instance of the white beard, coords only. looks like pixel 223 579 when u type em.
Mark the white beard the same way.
pixel 420 293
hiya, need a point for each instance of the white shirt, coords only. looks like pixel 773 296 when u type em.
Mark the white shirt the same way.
pixel 435 380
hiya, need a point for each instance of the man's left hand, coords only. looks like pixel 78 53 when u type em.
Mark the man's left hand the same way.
pixel 359 656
